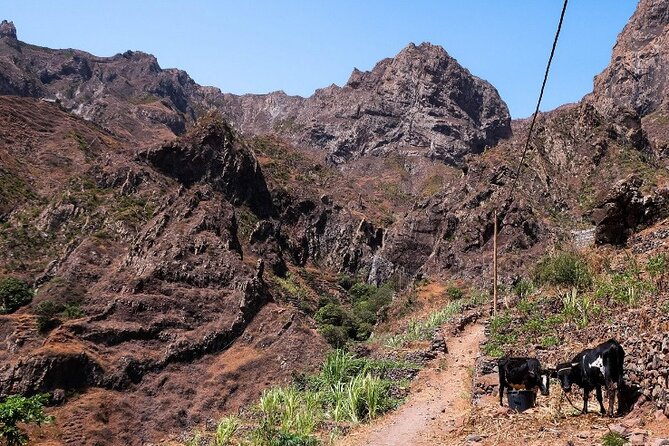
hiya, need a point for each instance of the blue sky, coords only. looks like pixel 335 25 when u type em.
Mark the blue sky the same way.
pixel 256 46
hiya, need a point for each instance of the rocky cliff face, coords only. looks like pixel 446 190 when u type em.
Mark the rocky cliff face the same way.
pixel 127 94
pixel 421 102
pixel 637 78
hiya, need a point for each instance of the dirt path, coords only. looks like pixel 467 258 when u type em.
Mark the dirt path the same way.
pixel 439 401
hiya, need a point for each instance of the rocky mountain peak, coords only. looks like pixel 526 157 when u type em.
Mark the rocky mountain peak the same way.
pixel 420 103
pixel 7 29
pixel 638 76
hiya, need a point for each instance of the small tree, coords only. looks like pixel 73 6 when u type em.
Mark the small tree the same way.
pixel 20 409
pixel 13 294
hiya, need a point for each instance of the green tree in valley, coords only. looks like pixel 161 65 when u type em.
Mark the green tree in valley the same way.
pixel 13 294
pixel 20 409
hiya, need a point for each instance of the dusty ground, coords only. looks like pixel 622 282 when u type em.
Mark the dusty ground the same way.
pixel 438 404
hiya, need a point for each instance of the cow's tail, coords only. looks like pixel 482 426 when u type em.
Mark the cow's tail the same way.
pixel 620 367
pixel 613 365
pixel 502 381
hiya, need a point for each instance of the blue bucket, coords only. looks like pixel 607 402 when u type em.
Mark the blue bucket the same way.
pixel 521 400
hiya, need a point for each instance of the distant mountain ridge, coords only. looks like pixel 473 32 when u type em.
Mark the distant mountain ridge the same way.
pixel 421 102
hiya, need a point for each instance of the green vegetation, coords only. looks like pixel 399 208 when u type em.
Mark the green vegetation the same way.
pixel 534 320
pixel 14 293
pixel 338 324
pixel 501 333
pixel 132 209
pixel 570 293
pixel 613 439
pixel 454 293
pixel 225 430
pixel 626 287
pixel 50 314
pixel 295 291
pixel 579 307
pixel 432 185
pixel 246 221
pixel 19 409
pixel 657 265
pixel 80 140
pixel 418 330
pixel 563 269
pixel 347 390
pixel 523 288
pixel 143 99
pixel 346 282
pixel 13 189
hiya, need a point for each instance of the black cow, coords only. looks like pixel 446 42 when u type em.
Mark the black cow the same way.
pixel 592 369
pixel 521 373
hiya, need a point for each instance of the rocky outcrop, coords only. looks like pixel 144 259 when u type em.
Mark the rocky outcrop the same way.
pixel 7 29
pixel 212 154
pixel 620 213
pixel 625 209
pixel 637 78
pixel 421 102
pixel 127 94
pixel 647 368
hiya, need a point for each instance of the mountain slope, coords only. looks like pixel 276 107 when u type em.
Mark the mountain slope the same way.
pixel 420 102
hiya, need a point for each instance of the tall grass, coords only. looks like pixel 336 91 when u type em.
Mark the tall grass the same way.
pixel 579 307
pixel 347 389
pixel 418 330
pixel 337 367
pixel 225 430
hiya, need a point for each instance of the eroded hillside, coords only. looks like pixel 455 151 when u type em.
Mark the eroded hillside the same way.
pixel 183 243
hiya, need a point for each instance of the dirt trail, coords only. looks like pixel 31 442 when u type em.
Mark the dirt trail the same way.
pixel 439 401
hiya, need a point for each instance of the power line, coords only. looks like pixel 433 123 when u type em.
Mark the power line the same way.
pixel 522 158
pixel 536 111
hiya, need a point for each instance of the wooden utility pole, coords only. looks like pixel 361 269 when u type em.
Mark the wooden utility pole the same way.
pixel 494 267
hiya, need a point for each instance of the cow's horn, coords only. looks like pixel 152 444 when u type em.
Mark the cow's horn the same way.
pixel 574 364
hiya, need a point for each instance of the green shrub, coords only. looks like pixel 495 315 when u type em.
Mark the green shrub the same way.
pixel 613 439
pixel 338 324
pixel 332 314
pixel 563 269
pixel 72 310
pixel 454 293
pixel 14 293
pixel 225 430
pixel 657 265
pixel 334 335
pixel 19 409
pixel 346 282
pixel 361 291
pixel 50 314
pixel 523 288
